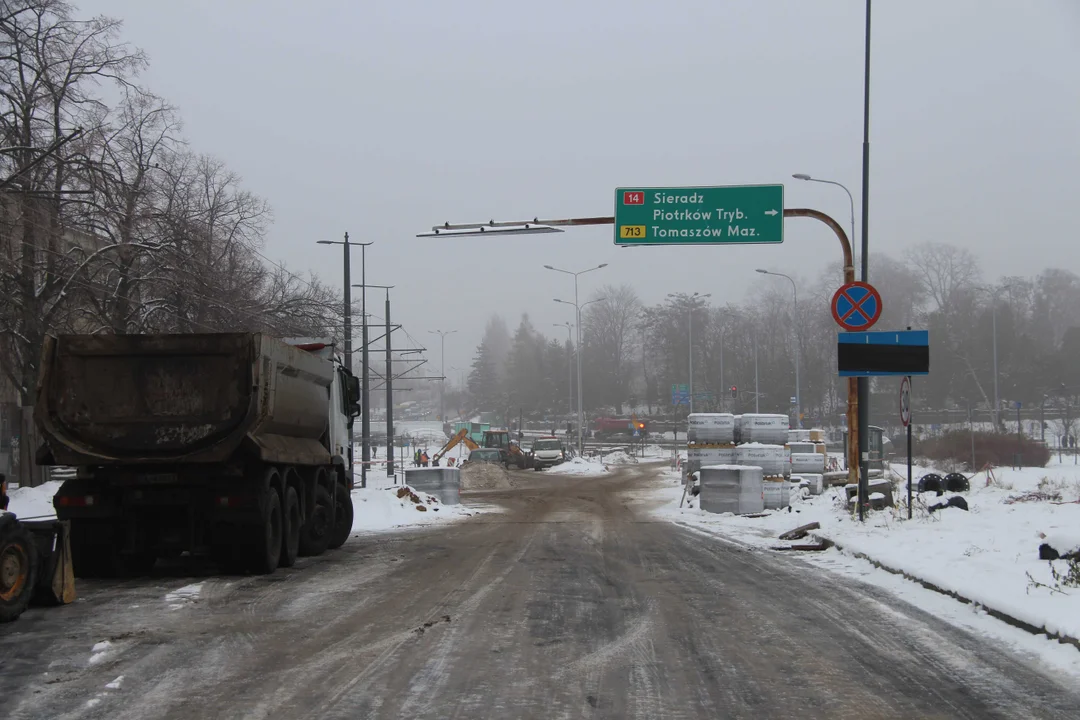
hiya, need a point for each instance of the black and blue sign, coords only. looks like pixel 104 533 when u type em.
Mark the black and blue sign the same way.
pixel 901 352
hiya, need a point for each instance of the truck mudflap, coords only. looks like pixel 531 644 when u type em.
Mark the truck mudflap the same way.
pixel 55 577
pixel 284 450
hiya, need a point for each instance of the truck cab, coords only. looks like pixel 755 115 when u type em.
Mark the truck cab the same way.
pixel 546 452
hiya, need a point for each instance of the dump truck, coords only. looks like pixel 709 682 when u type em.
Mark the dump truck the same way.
pixel 233 445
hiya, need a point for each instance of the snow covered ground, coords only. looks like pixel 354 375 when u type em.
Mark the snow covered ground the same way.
pixel 380 509
pixel 988 554
pixel 376 509
pixel 579 466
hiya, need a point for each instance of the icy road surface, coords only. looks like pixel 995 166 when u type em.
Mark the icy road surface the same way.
pixel 570 604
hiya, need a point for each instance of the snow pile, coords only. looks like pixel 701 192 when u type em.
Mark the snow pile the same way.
pixel 34 502
pixel 989 554
pixel 380 509
pixel 584 467
pixel 619 458
pixel 484 476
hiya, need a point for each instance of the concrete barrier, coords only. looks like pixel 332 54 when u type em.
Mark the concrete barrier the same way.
pixel 442 482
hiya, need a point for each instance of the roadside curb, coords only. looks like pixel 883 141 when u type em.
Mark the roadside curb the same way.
pixel 992 612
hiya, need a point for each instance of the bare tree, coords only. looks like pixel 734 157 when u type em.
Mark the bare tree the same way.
pixel 943 271
pixel 609 337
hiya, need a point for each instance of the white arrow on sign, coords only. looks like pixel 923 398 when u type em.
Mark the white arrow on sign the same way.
pixel 772 212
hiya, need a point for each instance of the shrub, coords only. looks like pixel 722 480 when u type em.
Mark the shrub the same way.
pixel 996 448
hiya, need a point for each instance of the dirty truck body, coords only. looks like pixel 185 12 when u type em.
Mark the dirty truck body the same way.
pixel 232 444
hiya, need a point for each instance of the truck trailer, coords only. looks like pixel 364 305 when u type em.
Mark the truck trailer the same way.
pixel 233 445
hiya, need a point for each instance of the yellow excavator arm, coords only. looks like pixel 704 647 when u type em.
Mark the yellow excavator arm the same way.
pixel 462 436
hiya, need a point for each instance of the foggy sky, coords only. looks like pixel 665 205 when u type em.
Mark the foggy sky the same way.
pixel 382 118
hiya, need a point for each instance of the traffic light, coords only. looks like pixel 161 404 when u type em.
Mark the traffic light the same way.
pixel 734 392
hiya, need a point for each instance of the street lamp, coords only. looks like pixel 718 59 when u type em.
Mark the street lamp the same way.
pixel 442 369
pixel 795 323
pixel 690 334
pixel 993 319
pixel 569 370
pixel 365 421
pixel 804 176
pixel 577 307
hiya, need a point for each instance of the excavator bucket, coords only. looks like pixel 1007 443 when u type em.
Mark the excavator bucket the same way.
pixel 56 576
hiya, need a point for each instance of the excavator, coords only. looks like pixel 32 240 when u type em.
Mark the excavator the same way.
pixel 462 436
pixel 509 450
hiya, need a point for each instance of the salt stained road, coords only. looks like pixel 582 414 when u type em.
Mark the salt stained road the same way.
pixel 571 603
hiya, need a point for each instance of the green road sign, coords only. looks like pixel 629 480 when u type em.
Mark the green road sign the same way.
pixel 728 215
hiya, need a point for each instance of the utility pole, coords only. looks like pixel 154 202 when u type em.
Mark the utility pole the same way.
pixel 570 370
pixel 723 387
pixel 863 384
pixel 757 394
pixel 389 395
pixel 442 370
pixel 365 383
pixel 347 317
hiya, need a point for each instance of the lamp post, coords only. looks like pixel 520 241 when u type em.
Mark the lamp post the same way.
pixel 442 369
pixel 365 417
pixel 690 334
pixel 992 292
pixel 580 418
pixel 795 324
pixel 757 392
pixel 851 200
pixel 569 371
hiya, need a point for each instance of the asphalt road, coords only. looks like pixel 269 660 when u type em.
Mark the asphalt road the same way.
pixel 571 604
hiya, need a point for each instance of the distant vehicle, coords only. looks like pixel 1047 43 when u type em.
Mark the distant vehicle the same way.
pixel 484 455
pixel 612 428
pixel 546 452
pixel 509 449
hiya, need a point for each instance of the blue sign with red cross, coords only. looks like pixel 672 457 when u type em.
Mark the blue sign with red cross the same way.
pixel 856 306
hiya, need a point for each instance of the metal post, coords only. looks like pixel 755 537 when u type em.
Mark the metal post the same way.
pixel 580 407
pixel 909 454
pixel 1042 421
pixel 863 383
pixel 442 371
pixel 1019 440
pixel 569 370
pixel 723 387
pixel 365 394
pixel 971 427
pixel 389 397
pixel 348 341
pixel 997 400
pixel 798 394
pixel 757 395
pixel 690 334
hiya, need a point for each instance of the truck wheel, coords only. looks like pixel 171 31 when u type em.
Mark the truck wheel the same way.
pixel 315 534
pixel 343 517
pixel 18 570
pixel 266 538
pixel 290 528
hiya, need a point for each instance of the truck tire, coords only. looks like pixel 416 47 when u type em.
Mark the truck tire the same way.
pixel 315 534
pixel 291 520
pixel 267 535
pixel 343 517
pixel 18 569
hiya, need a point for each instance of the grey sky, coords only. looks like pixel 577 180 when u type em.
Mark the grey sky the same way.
pixel 384 117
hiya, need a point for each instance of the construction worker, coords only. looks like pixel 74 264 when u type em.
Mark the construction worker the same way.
pixel 416 458
pixel 424 458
